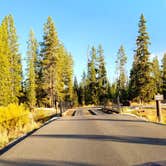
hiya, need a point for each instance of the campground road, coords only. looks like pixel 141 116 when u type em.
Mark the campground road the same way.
pixel 92 140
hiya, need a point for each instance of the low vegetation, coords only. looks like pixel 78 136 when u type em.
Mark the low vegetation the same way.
pixel 147 113
pixel 16 120
pixel 49 79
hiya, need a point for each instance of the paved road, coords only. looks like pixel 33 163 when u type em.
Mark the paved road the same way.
pixel 112 140
pixel 82 112
pixel 98 111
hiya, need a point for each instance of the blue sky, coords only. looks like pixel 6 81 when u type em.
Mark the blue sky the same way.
pixel 91 22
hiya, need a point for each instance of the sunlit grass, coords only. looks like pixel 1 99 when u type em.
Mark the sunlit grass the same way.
pixel 16 120
pixel 149 114
pixel 69 112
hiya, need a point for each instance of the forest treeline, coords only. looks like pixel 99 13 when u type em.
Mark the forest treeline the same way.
pixel 49 72
pixel 146 78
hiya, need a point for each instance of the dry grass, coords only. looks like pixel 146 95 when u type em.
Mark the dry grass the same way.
pixel 41 113
pixel 150 114
pixel 69 112
pixel 16 120
pixel 145 104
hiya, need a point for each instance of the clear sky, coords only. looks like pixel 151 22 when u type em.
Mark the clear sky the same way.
pixel 91 22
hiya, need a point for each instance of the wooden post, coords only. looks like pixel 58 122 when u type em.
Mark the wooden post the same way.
pixel 158 108
pixel 119 107
pixel 60 108
pixel 158 98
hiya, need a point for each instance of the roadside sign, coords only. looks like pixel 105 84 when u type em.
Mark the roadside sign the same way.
pixel 159 97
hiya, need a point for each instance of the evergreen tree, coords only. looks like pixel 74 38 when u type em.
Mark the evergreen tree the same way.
pixel 56 67
pixel 68 69
pixel 157 76
pixel 39 78
pixel 92 78
pixel 102 76
pixel 5 80
pixel 32 71
pixel 75 92
pixel 64 76
pixel 83 86
pixel 11 73
pixel 121 62
pixel 121 74
pixel 164 76
pixel 15 61
pixel 82 92
pixel 141 83
pixel 113 92
pixel 49 53
pixel 60 74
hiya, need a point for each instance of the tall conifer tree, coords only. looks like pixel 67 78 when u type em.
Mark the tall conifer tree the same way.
pixel 141 83
pixel 49 53
pixel 102 76
pixel 15 61
pixel 32 71
pixel 164 76
pixel 121 74
pixel 157 76
pixel 57 67
pixel 5 79
pixel 92 78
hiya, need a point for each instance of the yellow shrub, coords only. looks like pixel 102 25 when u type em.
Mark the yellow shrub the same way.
pixel 39 114
pixel 15 120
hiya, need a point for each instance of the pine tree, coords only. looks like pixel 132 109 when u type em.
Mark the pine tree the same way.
pixel 68 69
pixel 157 76
pixel 92 78
pixel 56 67
pixel 121 73
pixel 121 62
pixel 49 53
pixel 32 71
pixel 141 83
pixel 164 76
pixel 11 73
pixel 102 76
pixel 5 80
pixel 83 90
pixel 64 76
pixel 75 92
pixel 83 86
pixel 113 92
pixel 15 61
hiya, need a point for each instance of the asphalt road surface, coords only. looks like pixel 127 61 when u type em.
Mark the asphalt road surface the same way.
pixel 82 112
pixel 93 140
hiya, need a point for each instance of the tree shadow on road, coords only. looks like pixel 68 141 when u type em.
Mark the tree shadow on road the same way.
pixel 124 139
pixel 156 163
pixel 31 162
pixel 102 119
